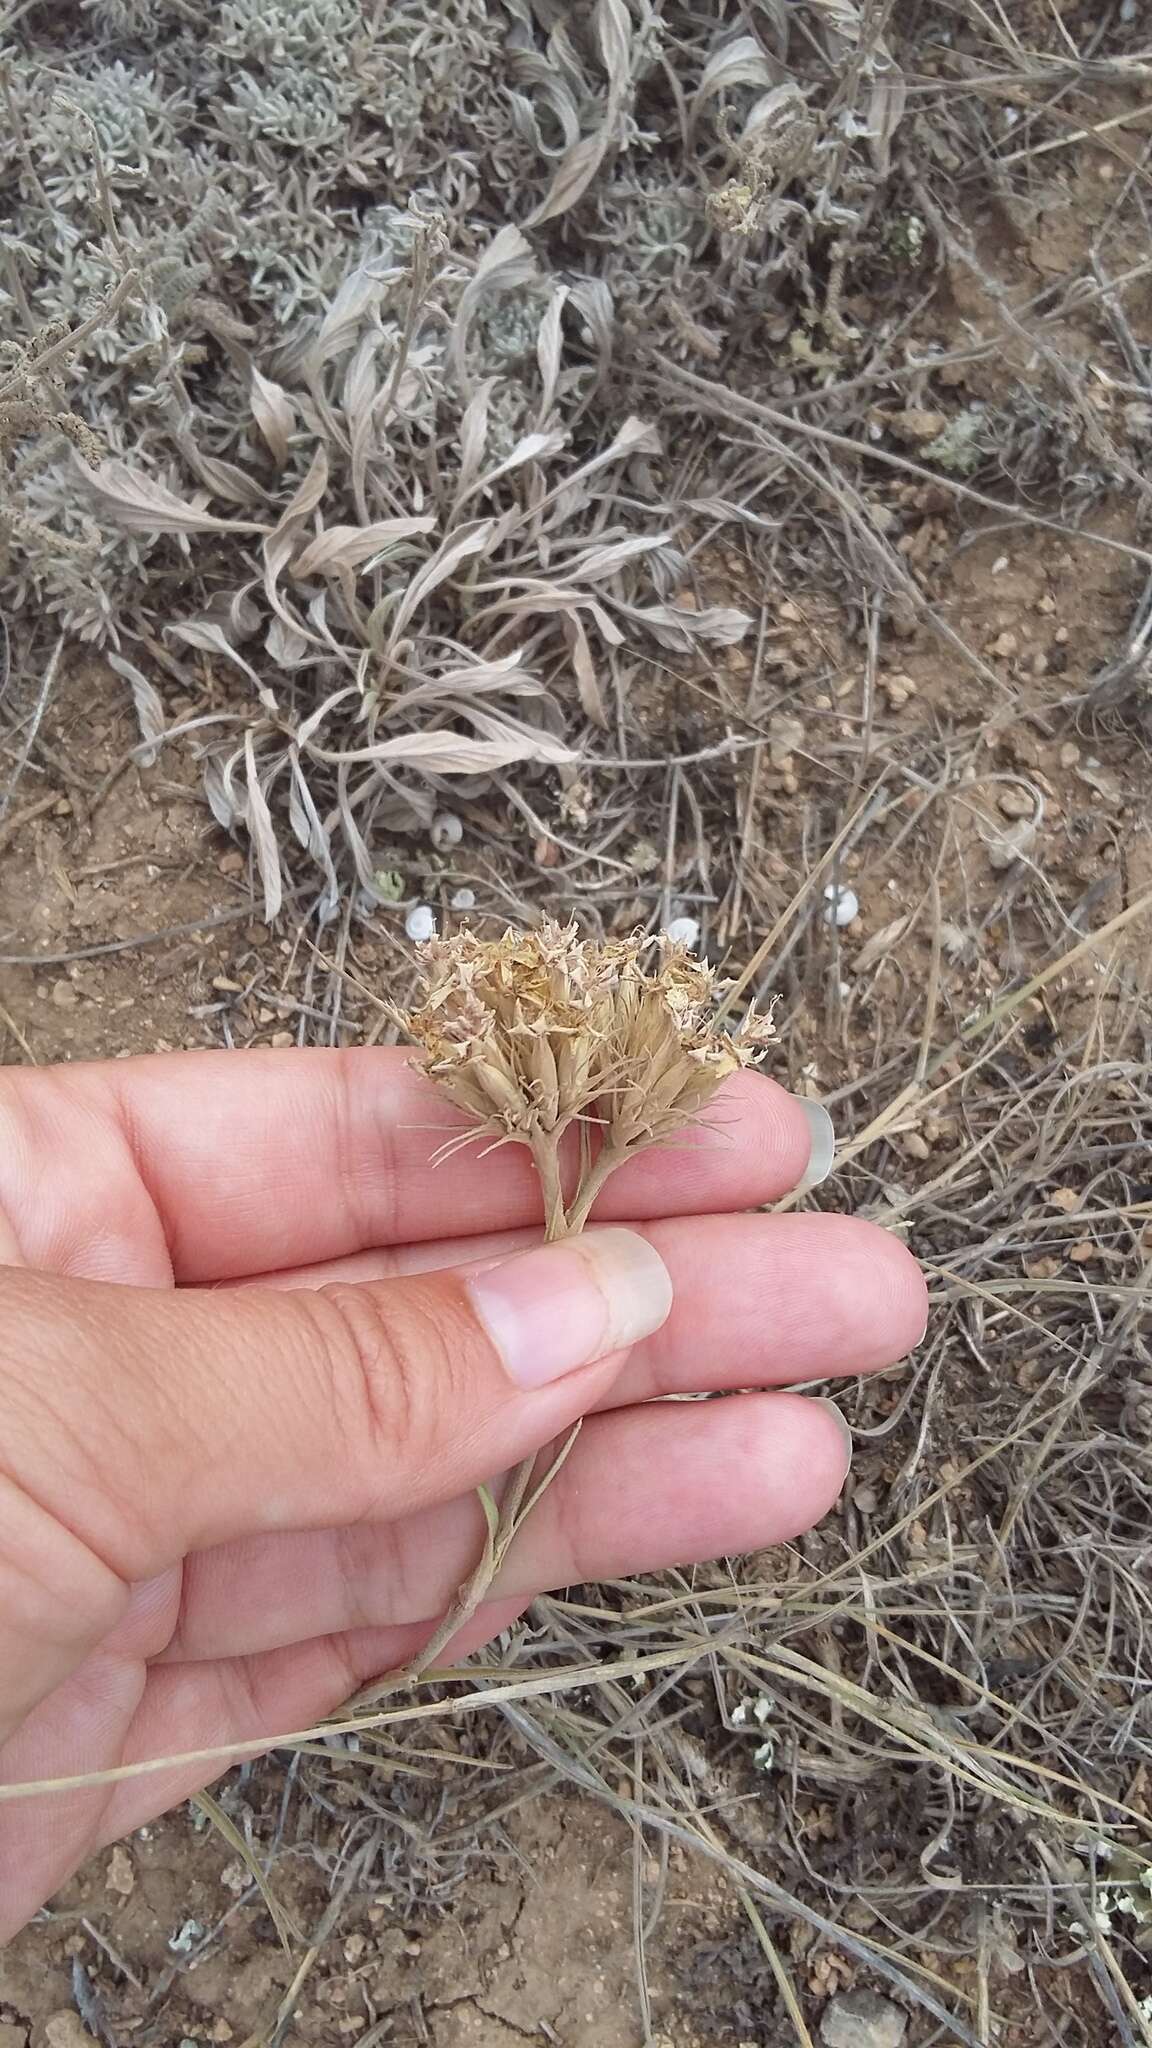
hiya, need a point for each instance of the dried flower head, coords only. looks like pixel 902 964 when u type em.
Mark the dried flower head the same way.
pixel 535 1031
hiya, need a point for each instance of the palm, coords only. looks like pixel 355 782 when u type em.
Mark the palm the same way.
pixel 295 1169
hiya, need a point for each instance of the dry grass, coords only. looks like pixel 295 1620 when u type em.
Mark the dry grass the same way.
pixel 430 536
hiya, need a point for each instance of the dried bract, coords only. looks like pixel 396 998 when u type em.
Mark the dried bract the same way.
pixel 535 1031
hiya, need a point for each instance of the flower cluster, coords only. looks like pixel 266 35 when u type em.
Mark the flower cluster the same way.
pixel 535 1031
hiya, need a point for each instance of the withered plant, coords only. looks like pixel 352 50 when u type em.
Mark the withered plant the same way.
pixel 534 1035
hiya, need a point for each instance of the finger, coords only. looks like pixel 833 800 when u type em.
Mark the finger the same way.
pixel 189 1707
pixel 137 1425
pixel 642 1490
pixel 114 1711
pixel 757 1300
pixel 211 1165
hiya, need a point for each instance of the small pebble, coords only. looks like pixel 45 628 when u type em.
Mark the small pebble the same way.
pixel 64 995
pixel 420 923
pixel 446 831
pixel 684 931
pixel 1013 844
pixel 862 2019
pixel 1015 803
pixel 841 906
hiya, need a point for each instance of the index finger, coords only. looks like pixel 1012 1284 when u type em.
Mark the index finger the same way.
pixel 249 1162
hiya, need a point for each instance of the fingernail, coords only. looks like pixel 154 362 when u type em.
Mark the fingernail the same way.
pixel 552 1310
pixel 845 1433
pixel 822 1145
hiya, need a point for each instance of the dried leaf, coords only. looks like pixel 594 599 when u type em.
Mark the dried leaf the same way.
pixel 315 719
pixel 274 414
pixel 593 301
pixel 474 435
pixel 450 753
pixel 287 647
pixel 305 822
pixel 886 105
pixel 507 263
pixel 357 298
pixel 579 165
pixel 138 504
pixel 584 669
pixel 532 448
pixel 259 821
pixel 210 635
pixel 614 35
pixel 150 714
pixel 548 340
pixel 574 176
pixel 217 794
pixel 467 541
pixel 598 563
pixel 880 944
pixel 308 492
pixel 223 479
pixel 506 675
pixel 349 547
pixel 739 62
pixel 679 631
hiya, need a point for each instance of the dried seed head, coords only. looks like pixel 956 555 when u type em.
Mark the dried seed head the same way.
pixel 531 1031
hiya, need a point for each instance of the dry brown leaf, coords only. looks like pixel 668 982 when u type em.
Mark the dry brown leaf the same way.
pixel 507 263
pixel 474 435
pixel 574 175
pixel 259 821
pixel 584 669
pixel 548 340
pixel 349 547
pixel 740 62
pixel 880 944
pixel 138 504
pixel 467 541
pixel 450 753
pixel 358 296
pixel 679 631
pixel 274 414
pixel 210 635
pixel 598 563
pixel 150 713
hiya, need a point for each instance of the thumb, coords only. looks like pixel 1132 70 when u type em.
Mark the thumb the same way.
pixel 136 1425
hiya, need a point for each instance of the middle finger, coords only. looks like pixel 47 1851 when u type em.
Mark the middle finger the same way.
pixel 757 1300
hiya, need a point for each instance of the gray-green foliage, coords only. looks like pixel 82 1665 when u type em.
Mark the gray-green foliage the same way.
pixel 247 166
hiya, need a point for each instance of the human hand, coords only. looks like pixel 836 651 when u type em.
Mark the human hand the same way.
pixel 252 1374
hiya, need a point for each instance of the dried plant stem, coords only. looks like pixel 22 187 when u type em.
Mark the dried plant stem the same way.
pixel 503 1520
pixel 592 1181
pixel 504 1523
